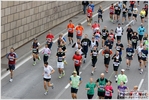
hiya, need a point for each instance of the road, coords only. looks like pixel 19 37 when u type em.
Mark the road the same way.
pixel 28 80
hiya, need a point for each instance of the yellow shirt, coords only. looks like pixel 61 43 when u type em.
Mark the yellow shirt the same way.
pixel 142 13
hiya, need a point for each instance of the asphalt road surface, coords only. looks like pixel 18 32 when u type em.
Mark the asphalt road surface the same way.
pixel 28 80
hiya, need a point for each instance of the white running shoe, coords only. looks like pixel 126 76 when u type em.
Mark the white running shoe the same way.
pixel 46 93
pixel 115 76
pixel 11 80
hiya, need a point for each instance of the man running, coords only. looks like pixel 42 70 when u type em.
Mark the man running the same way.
pixel 89 15
pixel 119 32
pixel 48 70
pixel 77 58
pixel 85 43
pixel 129 55
pixel 79 31
pixel 107 53
pixel 70 28
pixel 94 54
pixel 49 39
pixel 141 32
pixel 117 13
pixel 111 9
pixel 135 13
pixel 104 34
pixel 138 52
pixel 129 33
pixel 134 39
pixel 100 12
pixel 46 52
pixel 60 64
pixel 101 83
pixel 12 57
pixel 129 13
pixel 35 50
pixel 122 78
pixel 109 43
pixel 75 82
pixel 95 26
pixel 112 36
pixel 90 86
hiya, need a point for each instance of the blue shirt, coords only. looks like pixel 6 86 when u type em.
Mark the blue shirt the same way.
pixel 92 6
pixel 141 30
pixel 144 53
pixel 120 5
pixel 129 52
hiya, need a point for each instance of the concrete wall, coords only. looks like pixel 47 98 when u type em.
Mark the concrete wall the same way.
pixel 21 21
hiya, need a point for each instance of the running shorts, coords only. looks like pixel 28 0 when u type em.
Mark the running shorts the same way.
pixel 89 96
pixel 129 58
pixel 101 94
pixel 74 90
pixel 104 37
pixel 128 36
pixel 144 59
pixel 47 80
pixel 100 16
pixel 129 14
pixel 106 61
pixel 94 62
pixel 141 17
pixel 135 15
pixel 11 66
pixel 140 37
pixel 70 34
pixel 60 64
pixel 115 68
pixel 139 58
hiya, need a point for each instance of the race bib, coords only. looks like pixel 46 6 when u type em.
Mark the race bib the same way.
pixel 121 94
pixel 129 53
pixel 34 50
pixel 117 48
pixel 101 87
pixel 70 29
pixel 107 93
pixel 84 43
pixel 143 55
pixel 79 32
pixel 76 61
pixel 94 53
pixel 11 58
pixel 45 54
pixel 60 58
pixel 106 55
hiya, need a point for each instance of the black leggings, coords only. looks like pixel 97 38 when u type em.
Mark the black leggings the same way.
pixel 77 69
pixel 89 96
pixel 45 58
pixel 134 45
pixel 94 62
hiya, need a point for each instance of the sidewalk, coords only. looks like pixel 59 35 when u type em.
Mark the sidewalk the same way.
pixel 24 51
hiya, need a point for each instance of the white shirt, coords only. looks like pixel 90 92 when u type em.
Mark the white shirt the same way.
pixel 47 71
pixel 139 50
pixel 93 44
pixel 119 31
pixel 135 10
pixel 46 51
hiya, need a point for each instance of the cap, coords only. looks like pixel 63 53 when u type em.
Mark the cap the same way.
pixel 74 72
pixel 122 70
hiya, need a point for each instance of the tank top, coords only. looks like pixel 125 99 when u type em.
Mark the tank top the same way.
pixel 99 12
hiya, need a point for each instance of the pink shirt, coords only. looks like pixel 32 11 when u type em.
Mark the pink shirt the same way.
pixel 108 93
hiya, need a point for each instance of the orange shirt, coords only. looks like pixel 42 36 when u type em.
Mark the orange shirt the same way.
pixel 70 27
pixel 79 30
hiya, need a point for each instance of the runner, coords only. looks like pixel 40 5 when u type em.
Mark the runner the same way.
pixel 145 40
pixel 112 36
pixel 116 62
pixel 60 39
pixel 142 15
pixel 129 55
pixel 107 53
pixel 75 82
pixel 12 57
pixel 125 2
pixel 124 11
pixel 104 35
pixel 132 4
pixel 134 39
pixel 119 32
pixel 95 26
pixel 60 64
pixel 121 78
pixel 75 45
pixel 94 43
pixel 144 54
pixel 100 83
pixel 70 28
pixel 90 86
pixel 100 12
pixel 80 49
pixel 79 31
pixel 135 13
pixel 129 33
pixel 135 94
pixel 49 39
pixel 121 90
pixel 129 13
pixel 108 90
pixel 35 50
pixel 89 15
pixel 109 43
pixel 92 6
pixel 146 11
pixel 119 47
pixel 77 58
pixel 94 54
pixel 111 9
pixel 141 32
pixel 117 13
pixel 85 44
pixel 138 52
pixel 48 70
pixel 46 53
pixel 97 35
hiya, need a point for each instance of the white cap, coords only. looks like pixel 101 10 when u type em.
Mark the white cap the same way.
pixel 122 70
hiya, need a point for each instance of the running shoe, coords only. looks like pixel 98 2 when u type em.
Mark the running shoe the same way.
pixel 46 93
pixel 7 69
pixel 139 68
pixel 63 74
pixel 115 76
pixel 65 62
pixel 92 73
pixel 34 63
pixel 11 80
pixel 60 76
pixel 141 71
pixel 52 86
pixel 39 58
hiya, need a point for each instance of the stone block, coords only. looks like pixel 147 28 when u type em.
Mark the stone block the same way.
pixel 6 42
pixel 36 10
pixel 10 3
pixel 7 11
pixel 2 44
pixel 2 29
pixel 27 13
pixel 13 40
pixel 15 45
pixel 16 2
pixel 31 25
pixel 28 34
pixel 21 29
pixel 42 14
pixel 29 5
pixel 33 17
pixel 24 7
pixel 37 30
pixel 49 6
pixel 19 8
pixel 42 28
pixel 44 20
pixel 29 19
pixel 4 4
pixel 3 36
pixel 19 22
pixel 13 9
pixel 18 37
pixel 13 24
pixel 23 35
pixel 25 28
pixel 2 13
pixel 24 21
pixel 16 16
pixel 33 31
pixel 32 11
pixel 40 8
pixel 40 22
pixel 3 52
pixel 20 43
pixel 15 31
pixel 7 27
pixel 38 3
pixel 45 7
pixel 34 3
pixel 22 15
pixel 38 16
pixel 10 34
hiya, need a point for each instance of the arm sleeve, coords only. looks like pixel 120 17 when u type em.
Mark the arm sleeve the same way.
pixel 73 45
pixel 70 79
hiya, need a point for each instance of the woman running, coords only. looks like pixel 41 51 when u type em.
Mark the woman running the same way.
pixel 124 11
pixel 100 12
pixel 142 15
pixel 134 40
pixel 108 90
pixel 111 12
pixel 129 13
pixel 135 12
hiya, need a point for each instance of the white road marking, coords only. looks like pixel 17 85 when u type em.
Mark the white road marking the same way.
pixel 142 80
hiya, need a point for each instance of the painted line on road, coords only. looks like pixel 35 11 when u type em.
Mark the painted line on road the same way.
pixel 142 80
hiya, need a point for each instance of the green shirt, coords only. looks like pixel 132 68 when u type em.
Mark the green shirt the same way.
pixel 101 84
pixel 121 78
pixel 146 44
pixel 91 86
pixel 75 81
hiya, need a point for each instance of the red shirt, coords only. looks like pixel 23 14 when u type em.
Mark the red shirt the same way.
pixel 77 59
pixel 111 10
pixel 132 2
pixel 49 37
pixel 95 26
pixel 112 36
pixel 89 12
pixel 11 58
pixel 108 93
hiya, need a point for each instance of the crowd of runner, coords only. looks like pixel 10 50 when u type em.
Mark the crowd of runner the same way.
pixel 137 44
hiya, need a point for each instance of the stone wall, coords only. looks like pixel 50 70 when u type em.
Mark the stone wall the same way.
pixel 21 21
